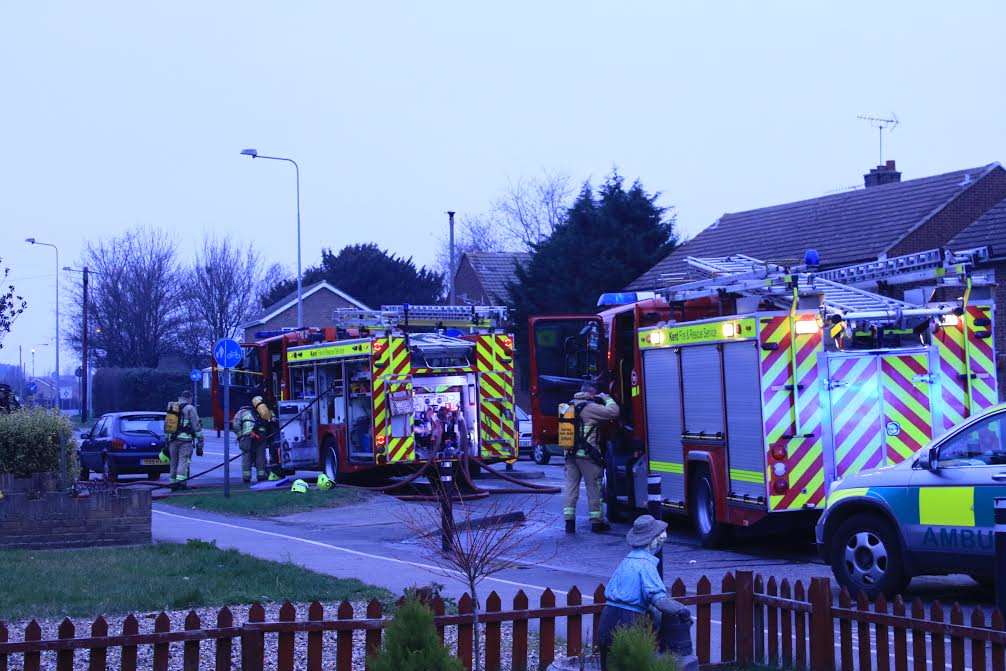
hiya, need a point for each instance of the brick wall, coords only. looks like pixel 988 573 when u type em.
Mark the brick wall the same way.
pixel 34 517
pixel 468 286
pixel 318 309
pixel 956 216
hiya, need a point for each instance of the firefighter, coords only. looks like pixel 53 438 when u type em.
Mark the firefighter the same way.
pixel 584 460
pixel 251 443
pixel 186 435
pixel 636 590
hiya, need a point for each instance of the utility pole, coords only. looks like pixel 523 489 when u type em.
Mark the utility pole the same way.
pixel 20 367
pixel 450 215
pixel 84 409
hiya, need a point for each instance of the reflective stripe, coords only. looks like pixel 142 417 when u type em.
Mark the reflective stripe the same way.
pixel 947 506
pixel 841 494
pixel 667 467
pixel 594 514
pixel 741 475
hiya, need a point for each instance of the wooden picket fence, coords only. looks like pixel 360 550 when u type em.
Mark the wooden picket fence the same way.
pixel 748 621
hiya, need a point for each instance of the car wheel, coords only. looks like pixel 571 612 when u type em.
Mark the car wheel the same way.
pixel 331 462
pixel 866 556
pixel 540 455
pixel 702 509
pixel 109 470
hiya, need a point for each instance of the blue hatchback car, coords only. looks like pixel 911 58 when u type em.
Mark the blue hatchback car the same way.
pixel 124 443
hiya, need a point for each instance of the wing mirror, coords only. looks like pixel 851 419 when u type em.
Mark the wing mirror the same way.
pixel 931 459
pixel 86 435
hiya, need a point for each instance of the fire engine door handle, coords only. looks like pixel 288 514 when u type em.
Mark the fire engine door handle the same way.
pixel 835 384
pixel 928 379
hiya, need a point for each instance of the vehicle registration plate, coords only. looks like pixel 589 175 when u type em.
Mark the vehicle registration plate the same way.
pixel 150 462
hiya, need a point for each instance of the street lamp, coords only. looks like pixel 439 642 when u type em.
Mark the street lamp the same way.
pixel 300 290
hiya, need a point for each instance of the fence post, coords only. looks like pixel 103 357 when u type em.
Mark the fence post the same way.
pixel 373 636
pixel 190 651
pixel 284 647
pixel 128 656
pixel 744 613
pixel 574 624
pixel 162 625
pixel 99 656
pixel 344 639
pixel 546 628
pixel 3 639
pixel 822 632
pixel 518 653
pixel 253 642
pixel 64 658
pixel 32 660
pixel 224 646
pixel 466 606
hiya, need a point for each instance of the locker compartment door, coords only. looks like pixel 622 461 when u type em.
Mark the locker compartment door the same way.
pixel 663 422
pixel 700 366
pixel 745 442
pixel 908 416
pixel 855 398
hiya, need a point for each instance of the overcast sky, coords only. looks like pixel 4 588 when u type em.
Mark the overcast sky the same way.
pixel 122 113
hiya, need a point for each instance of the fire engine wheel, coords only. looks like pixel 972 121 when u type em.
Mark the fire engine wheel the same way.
pixel 540 455
pixel 331 461
pixel 866 556
pixel 702 508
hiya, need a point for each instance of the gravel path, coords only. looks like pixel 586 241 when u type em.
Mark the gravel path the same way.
pixel 208 618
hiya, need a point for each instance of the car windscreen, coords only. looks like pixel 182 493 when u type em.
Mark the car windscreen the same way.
pixel 143 424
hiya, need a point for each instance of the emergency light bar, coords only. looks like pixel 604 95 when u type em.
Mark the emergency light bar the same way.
pixel 624 297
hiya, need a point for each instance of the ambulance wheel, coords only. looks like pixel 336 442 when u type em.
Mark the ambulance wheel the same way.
pixel 331 461
pixel 866 556
pixel 541 455
pixel 702 509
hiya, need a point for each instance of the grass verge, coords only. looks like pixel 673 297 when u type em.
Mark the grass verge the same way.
pixel 52 583
pixel 271 503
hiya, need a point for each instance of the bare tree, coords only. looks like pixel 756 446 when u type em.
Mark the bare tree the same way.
pixel 531 207
pixel 136 298
pixel 477 548
pixel 220 292
pixel 272 276
pixel 11 306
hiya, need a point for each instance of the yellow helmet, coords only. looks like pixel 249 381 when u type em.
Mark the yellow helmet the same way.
pixel 299 486
pixel 324 482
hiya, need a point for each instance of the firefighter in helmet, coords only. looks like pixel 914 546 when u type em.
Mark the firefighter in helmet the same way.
pixel 184 436
pixel 251 443
pixel 580 423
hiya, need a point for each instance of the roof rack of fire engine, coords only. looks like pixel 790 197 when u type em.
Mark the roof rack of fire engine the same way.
pixel 436 316
pixel 743 274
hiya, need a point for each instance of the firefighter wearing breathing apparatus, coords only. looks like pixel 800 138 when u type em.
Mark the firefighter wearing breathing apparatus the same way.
pixel 251 443
pixel 185 432
pixel 579 428
pixel 636 590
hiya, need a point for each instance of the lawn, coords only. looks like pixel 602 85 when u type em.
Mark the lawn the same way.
pixel 270 503
pixel 90 582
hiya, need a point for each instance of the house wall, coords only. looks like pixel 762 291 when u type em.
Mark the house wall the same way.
pixel 318 309
pixel 956 216
pixel 467 286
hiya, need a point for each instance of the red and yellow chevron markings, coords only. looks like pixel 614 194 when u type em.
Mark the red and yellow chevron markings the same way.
pixel 497 421
pixel 855 414
pixel 908 417
pixel 791 409
pixel 390 371
pixel 965 348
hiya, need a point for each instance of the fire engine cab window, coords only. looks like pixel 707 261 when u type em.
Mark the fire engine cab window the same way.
pixel 563 349
pixel 980 444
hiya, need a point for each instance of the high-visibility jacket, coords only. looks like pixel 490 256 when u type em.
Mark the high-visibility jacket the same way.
pixel 244 422
pixel 189 426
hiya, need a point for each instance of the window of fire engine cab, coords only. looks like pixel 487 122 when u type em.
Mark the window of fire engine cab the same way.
pixel 332 406
pixel 565 353
pixel 625 344
pixel 359 421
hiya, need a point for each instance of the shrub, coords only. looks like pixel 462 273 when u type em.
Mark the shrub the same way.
pixel 411 643
pixel 634 648
pixel 118 389
pixel 30 440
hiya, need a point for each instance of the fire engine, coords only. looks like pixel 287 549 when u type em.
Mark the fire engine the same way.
pixel 361 395
pixel 745 395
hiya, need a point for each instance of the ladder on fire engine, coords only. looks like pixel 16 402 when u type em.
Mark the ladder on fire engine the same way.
pixel 439 316
pixel 946 265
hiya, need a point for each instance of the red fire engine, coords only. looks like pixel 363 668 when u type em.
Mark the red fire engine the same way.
pixel 369 392
pixel 744 395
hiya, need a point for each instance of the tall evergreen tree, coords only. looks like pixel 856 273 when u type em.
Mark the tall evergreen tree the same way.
pixel 605 242
pixel 369 274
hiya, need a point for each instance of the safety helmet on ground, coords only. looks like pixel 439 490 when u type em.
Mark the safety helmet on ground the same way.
pixel 299 486
pixel 324 482
pixel 273 477
pixel 163 458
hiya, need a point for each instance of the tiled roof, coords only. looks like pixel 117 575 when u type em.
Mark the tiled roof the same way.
pixel 495 269
pixel 844 227
pixel 282 304
pixel 989 229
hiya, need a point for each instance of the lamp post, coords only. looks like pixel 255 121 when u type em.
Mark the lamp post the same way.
pixel 450 216
pixel 300 290
pixel 84 405
pixel 62 450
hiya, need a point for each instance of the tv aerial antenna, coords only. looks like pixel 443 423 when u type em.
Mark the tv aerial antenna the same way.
pixel 881 124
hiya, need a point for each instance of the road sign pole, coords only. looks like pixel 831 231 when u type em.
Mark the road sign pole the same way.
pixel 227 432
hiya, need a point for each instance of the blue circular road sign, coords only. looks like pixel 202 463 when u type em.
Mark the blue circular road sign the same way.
pixel 31 387
pixel 227 353
pixel 195 375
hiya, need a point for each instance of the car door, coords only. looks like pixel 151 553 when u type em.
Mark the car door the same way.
pixel 955 495
pixel 89 455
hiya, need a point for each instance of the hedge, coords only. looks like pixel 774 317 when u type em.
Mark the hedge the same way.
pixel 30 439
pixel 125 389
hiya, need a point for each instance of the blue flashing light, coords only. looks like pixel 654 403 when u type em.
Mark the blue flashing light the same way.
pixel 812 258
pixel 623 297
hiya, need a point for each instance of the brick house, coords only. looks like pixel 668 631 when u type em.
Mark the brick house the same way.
pixel 482 277
pixel 320 300
pixel 888 217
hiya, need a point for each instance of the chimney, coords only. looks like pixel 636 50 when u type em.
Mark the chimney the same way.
pixel 882 174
